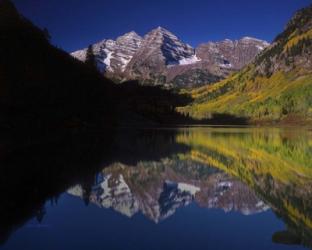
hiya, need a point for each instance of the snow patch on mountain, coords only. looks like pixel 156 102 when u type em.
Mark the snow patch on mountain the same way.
pixel 160 56
pixel 113 56
pixel 184 187
pixel 260 47
pixel 107 60
pixel 226 65
pixel 80 54
pixel 116 194
pixel 191 60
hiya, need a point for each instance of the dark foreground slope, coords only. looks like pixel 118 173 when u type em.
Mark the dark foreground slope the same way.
pixel 276 87
pixel 44 89
pixel 42 86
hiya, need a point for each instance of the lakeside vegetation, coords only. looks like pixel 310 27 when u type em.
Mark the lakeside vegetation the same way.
pixel 275 88
pixel 279 97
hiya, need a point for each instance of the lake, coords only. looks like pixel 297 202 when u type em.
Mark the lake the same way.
pixel 183 188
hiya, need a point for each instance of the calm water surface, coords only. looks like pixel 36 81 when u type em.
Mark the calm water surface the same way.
pixel 188 188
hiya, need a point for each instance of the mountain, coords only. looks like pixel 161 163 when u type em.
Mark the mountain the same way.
pixel 215 61
pixel 275 87
pixel 160 49
pixel 160 57
pixel 46 89
pixel 113 56
pixel 231 54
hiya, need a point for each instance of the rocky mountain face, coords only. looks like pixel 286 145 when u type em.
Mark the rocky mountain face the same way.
pixel 113 56
pixel 160 57
pixel 215 61
pixel 231 54
pixel 160 49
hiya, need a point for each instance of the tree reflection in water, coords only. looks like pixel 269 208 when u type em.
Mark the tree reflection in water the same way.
pixel 157 171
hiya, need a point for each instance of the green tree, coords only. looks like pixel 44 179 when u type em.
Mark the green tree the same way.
pixel 90 57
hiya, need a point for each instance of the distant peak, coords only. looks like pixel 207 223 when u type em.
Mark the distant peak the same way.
pixel 263 43
pixel 161 30
pixel 131 34
pixel 248 38
pixel 130 37
pixel 227 40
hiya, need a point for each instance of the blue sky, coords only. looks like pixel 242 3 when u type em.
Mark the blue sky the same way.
pixel 74 24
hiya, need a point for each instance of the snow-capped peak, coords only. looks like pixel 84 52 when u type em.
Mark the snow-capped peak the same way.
pixel 252 39
pixel 113 56
pixel 130 35
pixel 248 38
pixel 162 29
pixel 160 51
pixel 161 32
pixel 169 45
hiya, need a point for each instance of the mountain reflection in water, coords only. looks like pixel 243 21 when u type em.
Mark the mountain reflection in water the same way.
pixel 157 172
pixel 157 189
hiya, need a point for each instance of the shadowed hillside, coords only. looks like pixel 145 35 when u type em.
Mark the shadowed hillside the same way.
pixel 43 89
pixel 42 86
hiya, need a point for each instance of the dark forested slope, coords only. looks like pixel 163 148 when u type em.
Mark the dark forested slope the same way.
pixel 42 86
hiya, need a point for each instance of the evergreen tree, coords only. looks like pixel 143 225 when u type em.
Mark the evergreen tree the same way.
pixel 40 214
pixel 90 57
pixel 46 34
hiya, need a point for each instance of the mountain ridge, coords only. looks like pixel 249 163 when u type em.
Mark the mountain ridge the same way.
pixel 275 87
pixel 161 58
